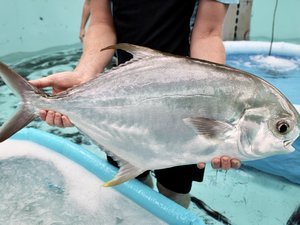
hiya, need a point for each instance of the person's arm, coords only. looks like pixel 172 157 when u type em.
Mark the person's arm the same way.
pixel 100 34
pixel 206 39
pixel 84 18
pixel 207 44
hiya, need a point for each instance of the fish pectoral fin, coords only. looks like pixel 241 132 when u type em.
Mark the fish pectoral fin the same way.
pixel 126 172
pixel 210 128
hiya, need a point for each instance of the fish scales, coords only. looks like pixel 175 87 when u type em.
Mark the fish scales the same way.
pixel 159 111
pixel 137 84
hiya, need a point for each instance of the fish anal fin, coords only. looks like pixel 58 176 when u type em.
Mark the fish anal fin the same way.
pixel 210 128
pixel 126 172
pixel 135 50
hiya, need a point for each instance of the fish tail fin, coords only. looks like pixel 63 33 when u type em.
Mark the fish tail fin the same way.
pixel 19 120
pixel 26 112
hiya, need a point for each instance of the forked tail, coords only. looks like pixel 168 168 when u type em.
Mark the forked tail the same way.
pixel 26 91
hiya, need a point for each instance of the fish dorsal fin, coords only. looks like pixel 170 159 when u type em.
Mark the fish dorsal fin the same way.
pixel 126 172
pixel 135 50
pixel 210 128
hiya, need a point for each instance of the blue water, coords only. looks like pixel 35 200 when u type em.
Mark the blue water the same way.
pixel 244 195
pixel 281 71
pixel 37 187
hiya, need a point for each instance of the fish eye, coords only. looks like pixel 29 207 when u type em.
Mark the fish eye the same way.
pixel 282 127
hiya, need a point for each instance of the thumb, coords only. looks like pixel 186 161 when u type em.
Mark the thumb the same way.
pixel 42 83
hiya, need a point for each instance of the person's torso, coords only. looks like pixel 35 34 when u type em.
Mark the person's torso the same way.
pixel 161 25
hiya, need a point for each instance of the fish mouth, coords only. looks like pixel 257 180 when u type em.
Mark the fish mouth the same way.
pixel 288 145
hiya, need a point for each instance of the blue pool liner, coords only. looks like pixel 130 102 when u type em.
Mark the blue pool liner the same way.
pixel 261 47
pixel 160 206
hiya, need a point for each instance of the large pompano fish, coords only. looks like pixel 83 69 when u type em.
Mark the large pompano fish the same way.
pixel 159 110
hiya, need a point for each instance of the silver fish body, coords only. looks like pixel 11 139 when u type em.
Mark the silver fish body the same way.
pixel 159 110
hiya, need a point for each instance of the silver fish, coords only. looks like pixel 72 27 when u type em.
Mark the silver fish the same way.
pixel 160 110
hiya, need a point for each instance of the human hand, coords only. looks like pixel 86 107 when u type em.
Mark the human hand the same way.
pixel 55 119
pixel 224 162
pixel 81 34
pixel 59 82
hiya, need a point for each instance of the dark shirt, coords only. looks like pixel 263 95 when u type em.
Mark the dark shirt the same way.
pixel 159 24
